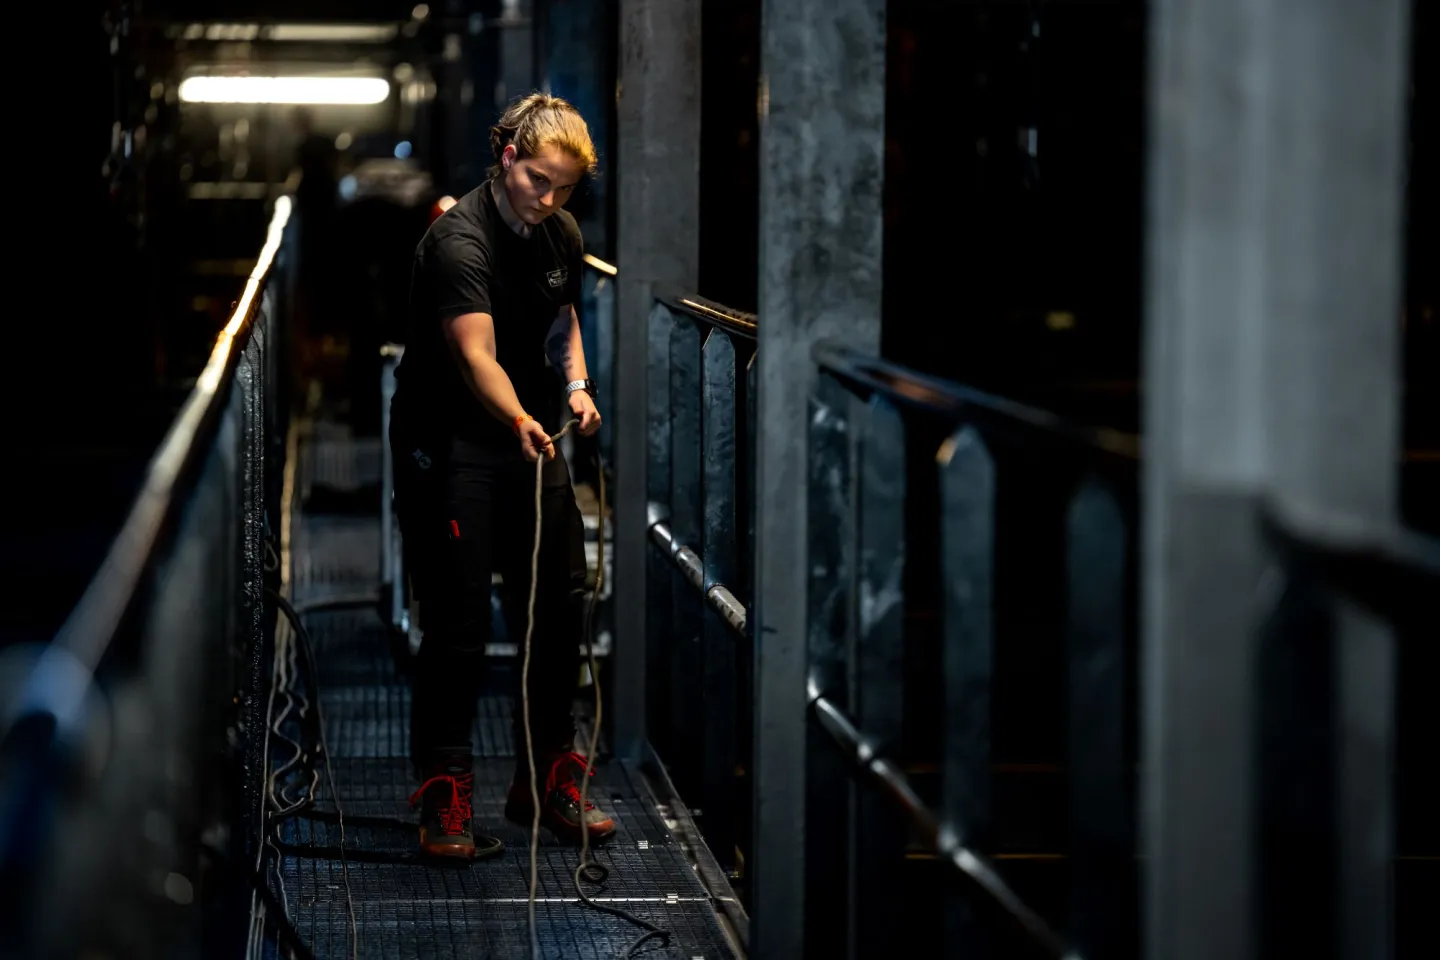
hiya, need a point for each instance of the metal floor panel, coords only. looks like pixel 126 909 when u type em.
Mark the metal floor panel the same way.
pixel 336 459
pixel 406 908
pixel 443 927
pixel 334 556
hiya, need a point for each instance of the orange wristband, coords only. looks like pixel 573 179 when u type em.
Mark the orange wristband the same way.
pixel 519 420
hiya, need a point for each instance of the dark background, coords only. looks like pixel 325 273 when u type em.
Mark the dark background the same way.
pixel 1017 274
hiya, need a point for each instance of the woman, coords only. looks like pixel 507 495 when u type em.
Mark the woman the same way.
pixel 492 306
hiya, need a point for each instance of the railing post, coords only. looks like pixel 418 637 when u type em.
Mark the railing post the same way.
pixel 392 570
pixel 967 556
pixel 658 122
pixel 717 549
pixel 1365 663
pixel 687 660
pixel 1102 900
pixel 822 121
pixel 877 670
pixel 603 322
pixel 752 451
pixel 830 625
pixel 1295 771
pixel 654 671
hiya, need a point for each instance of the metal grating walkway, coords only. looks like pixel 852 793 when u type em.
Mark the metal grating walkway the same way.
pixel 404 908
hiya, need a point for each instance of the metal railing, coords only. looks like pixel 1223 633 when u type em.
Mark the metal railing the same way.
pixel 701 495
pixel 1340 600
pixel 128 755
pixel 871 424
pixel 1004 522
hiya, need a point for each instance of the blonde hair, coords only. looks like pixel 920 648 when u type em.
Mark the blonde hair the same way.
pixel 537 121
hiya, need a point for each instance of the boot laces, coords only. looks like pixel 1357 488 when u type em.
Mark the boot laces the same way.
pixel 562 779
pixel 455 815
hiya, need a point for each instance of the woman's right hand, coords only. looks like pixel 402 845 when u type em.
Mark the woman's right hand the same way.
pixel 534 441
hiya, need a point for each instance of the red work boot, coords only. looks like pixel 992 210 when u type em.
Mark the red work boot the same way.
pixel 559 800
pixel 446 827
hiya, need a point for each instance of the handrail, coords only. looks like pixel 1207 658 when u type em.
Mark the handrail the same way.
pixel 609 269
pixel 742 323
pixel 738 322
pixel 940 837
pixel 87 631
pixel 869 375
pixel 867 765
pixel 151 622
pixel 59 681
pixel 1387 568
pixel 692 565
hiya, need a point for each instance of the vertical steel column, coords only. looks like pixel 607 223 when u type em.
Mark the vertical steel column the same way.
pixel 658 119
pixel 830 626
pixel 822 103
pixel 1102 851
pixel 1333 260
pixel 877 671
pixel 717 549
pixel 967 556
pixel 1204 462
pixel 1273 305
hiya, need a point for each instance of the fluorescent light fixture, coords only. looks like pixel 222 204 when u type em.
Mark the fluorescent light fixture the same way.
pixel 331 32
pixel 287 32
pixel 312 90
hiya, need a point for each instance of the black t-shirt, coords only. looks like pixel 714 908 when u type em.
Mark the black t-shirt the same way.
pixel 470 261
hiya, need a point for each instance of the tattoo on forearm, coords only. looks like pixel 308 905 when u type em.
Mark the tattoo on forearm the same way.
pixel 557 348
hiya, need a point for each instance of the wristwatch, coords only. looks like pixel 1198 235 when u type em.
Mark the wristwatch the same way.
pixel 587 385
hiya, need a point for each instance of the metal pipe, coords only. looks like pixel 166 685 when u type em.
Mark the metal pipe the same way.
pixel 721 600
pixel 942 838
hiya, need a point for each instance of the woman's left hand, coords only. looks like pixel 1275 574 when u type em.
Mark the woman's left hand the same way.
pixel 583 406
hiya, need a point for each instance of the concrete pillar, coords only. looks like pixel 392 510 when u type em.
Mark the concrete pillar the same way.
pixel 822 104
pixel 1272 326
pixel 658 174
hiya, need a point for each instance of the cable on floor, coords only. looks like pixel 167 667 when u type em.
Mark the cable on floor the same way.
pixel 314 680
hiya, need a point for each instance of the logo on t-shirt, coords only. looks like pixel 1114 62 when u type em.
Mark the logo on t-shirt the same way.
pixel 557 278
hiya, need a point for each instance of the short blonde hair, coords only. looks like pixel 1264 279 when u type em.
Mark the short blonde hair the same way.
pixel 537 121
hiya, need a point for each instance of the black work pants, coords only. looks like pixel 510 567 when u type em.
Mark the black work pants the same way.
pixel 467 511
